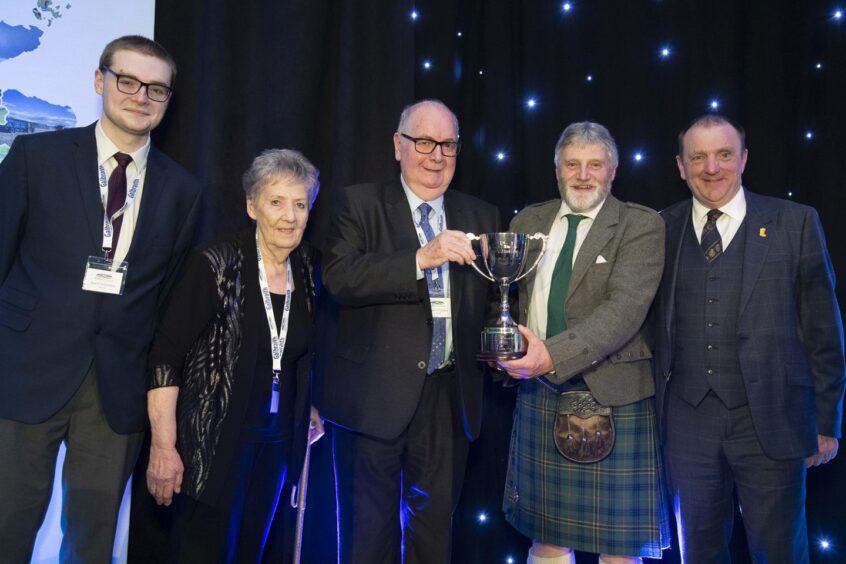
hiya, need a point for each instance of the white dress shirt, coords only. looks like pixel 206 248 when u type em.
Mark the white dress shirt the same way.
pixel 438 223
pixel 727 224
pixel 543 276
pixel 136 169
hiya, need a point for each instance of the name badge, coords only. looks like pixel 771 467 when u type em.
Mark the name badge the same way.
pixel 440 307
pixel 102 275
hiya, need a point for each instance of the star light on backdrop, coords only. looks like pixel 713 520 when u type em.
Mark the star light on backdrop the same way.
pixel 824 544
pixel 413 15
pixel 427 64
pixel 818 66
pixel 665 52
pixel 809 134
pixel 714 104
pixel 482 518
pixel 500 156
pixel 566 7
pixel 531 103
pixel 638 157
pixel 838 14
pixel 589 78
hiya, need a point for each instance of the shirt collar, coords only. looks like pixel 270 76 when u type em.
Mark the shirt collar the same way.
pixel 106 149
pixel 414 200
pixel 735 208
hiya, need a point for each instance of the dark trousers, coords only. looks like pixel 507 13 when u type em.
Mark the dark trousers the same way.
pixel 235 530
pixel 712 451
pixel 396 496
pixel 97 465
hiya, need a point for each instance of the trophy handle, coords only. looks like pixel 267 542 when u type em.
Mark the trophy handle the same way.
pixel 544 239
pixel 474 238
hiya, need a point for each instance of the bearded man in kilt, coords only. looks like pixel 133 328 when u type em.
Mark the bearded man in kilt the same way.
pixel 584 470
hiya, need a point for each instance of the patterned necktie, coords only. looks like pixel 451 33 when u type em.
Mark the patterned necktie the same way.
pixel 117 196
pixel 435 283
pixel 555 321
pixel 711 243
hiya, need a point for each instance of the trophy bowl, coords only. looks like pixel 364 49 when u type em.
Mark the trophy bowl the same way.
pixel 503 256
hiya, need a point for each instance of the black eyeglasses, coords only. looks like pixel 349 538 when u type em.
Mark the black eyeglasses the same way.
pixel 427 146
pixel 131 85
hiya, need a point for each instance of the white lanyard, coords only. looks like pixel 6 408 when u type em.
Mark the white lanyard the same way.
pixel 422 237
pixel 108 230
pixel 277 338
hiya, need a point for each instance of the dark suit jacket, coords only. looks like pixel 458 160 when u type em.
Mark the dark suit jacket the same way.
pixel 789 331
pixel 607 301
pixel 50 329
pixel 370 369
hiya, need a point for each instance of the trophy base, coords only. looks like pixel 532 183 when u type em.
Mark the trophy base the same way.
pixel 495 356
pixel 502 343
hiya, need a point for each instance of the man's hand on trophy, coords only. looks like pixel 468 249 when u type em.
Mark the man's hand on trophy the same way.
pixel 537 361
pixel 448 246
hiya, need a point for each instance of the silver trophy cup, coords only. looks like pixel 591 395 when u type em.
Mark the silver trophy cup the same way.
pixel 504 258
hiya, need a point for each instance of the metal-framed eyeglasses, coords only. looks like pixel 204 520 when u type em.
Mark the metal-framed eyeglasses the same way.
pixel 131 85
pixel 427 146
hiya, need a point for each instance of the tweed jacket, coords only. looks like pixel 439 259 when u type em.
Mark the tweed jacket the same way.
pixel 607 300
pixel 215 374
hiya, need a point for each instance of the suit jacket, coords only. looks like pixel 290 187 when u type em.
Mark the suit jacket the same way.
pixel 607 302
pixel 789 331
pixel 51 330
pixel 370 370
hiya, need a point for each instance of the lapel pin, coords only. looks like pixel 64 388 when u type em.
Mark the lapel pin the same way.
pixel 762 232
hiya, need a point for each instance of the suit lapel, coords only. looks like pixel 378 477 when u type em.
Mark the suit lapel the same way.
pixel 677 223
pixel 600 233
pixel 542 222
pixel 151 196
pixel 456 218
pixel 758 218
pixel 85 160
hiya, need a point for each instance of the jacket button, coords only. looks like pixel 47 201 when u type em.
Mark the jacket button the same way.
pixel 421 365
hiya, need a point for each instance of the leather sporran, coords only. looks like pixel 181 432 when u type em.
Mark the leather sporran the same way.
pixel 584 429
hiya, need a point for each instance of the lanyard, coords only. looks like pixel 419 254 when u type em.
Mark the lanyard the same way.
pixel 108 230
pixel 422 238
pixel 277 338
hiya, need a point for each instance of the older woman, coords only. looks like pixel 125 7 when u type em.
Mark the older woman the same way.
pixel 229 368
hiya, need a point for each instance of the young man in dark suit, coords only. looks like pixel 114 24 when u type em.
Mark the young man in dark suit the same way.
pixel 748 355
pixel 94 223
pixel 400 381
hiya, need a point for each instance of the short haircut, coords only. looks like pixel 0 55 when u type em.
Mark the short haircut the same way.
pixel 139 44
pixel 712 120
pixel 409 109
pixel 587 133
pixel 281 164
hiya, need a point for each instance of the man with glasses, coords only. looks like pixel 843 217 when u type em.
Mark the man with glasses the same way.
pixel 94 223
pixel 400 381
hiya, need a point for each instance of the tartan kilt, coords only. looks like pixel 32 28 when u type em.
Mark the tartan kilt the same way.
pixel 617 506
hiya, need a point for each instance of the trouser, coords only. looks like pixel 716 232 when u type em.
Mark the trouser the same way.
pixel 417 475
pixel 97 465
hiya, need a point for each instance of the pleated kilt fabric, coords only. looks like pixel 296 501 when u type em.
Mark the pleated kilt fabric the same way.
pixel 616 506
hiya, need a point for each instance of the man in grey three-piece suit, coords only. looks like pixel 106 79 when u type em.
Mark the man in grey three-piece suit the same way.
pixel 748 355
pixel 584 309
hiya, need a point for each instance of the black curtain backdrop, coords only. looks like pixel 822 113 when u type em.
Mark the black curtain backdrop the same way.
pixel 330 78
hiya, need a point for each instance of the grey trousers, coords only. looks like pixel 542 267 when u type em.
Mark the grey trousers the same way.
pixel 97 465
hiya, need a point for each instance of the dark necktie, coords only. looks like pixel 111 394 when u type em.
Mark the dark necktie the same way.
pixel 555 321
pixel 436 290
pixel 711 243
pixel 117 196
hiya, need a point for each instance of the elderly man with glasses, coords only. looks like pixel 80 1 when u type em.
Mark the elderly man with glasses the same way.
pixel 400 382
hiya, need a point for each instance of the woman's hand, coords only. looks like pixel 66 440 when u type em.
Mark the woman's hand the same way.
pixel 164 474
pixel 315 427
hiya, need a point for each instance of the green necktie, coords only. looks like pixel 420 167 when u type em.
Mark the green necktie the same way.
pixel 555 322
